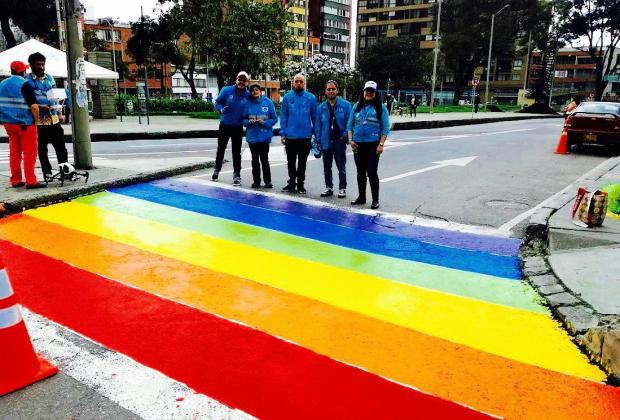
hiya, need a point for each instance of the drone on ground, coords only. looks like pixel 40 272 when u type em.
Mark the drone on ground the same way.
pixel 66 172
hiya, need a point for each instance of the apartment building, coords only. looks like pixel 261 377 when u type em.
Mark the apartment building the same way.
pixel 115 36
pixel 390 18
pixel 334 27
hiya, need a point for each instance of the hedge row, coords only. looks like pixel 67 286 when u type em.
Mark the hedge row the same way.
pixel 165 105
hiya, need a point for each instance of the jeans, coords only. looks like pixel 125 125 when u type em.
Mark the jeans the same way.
pixel 51 134
pixel 235 134
pixel 260 157
pixel 297 151
pixel 22 146
pixel 367 162
pixel 337 152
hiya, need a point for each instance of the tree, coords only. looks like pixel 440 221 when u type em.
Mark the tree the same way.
pixel 321 68
pixel 255 35
pixel 33 17
pixel 465 33
pixel 398 59
pixel 598 21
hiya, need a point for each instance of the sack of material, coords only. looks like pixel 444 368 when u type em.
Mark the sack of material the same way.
pixel 590 208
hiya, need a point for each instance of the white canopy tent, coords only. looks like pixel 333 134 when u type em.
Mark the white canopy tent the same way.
pixel 55 64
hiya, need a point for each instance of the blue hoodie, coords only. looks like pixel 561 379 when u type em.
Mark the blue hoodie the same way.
pixel 230 105
pixel 365 125
pixel 342 109
pixel 297 115
pixel 259 109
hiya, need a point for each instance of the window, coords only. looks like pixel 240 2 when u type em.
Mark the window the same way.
pixel 517 64
pixel 200 83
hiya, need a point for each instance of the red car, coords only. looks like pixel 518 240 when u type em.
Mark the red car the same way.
pixel 594 123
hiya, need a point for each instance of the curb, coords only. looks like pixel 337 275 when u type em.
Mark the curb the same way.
pixel 19 206
pixel 598 336
pixel 185 134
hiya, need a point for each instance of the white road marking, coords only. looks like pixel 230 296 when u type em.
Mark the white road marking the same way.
pixel 154 153
pixel 173 144
pixel 276 154
pixel 135 387
pixel 406 218
pixel 439 164
pixel 507 227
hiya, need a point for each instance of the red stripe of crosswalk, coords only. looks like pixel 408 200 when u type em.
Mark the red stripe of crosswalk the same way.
pixel 239 366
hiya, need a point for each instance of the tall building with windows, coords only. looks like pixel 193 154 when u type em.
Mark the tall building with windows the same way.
pixel 391 18
pixel 334 22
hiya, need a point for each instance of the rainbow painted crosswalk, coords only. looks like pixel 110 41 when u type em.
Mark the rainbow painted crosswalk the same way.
pixel 283 309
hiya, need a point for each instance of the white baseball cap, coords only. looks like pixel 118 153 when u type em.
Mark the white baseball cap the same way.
pixel 370 85
pixel 242 73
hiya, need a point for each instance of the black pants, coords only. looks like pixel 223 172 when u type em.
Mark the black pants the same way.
pixel 260 157
pixel 55 135
pixel 413 110
pixel 367 162
pixel 235 134
pixel 297 151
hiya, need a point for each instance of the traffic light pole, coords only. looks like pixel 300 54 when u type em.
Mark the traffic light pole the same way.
pixel 77 80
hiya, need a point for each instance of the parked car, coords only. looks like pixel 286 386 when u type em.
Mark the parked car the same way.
pixel 593 123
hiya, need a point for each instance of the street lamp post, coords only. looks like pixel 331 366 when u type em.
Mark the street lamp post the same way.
pixel 111 25
pixel 486 88
pixel 434 80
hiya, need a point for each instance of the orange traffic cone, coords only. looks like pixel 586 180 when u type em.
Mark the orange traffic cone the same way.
pixel 562 148
pixel 20 366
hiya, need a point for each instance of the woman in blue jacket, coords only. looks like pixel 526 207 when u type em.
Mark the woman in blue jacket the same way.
pixel 368 128
pixel 259 117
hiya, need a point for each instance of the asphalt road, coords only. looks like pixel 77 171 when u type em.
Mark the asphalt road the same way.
pixel 511 168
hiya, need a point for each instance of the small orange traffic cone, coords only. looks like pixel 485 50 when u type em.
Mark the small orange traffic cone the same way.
pixel 562 148
pixel 20 366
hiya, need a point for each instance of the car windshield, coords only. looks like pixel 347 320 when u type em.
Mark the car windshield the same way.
pixel 599 108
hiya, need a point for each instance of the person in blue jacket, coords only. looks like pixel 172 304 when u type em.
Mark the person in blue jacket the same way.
pixel 331 137
pixel 259 117
pixel 368 128
pixel 230 104
pixel 297 117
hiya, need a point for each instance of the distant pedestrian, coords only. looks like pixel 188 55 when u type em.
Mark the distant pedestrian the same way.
pixel 259 117
pixel 413 106
pixel 230 104
pixel 389 103
pixel 297 118
pixel 368 128
pixel 331 136
pixel 477 101
pixel 572 105
pixel 49 129
pixel 19 112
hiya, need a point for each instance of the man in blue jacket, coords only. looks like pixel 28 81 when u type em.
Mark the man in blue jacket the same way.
pixel 331 138
pixel 49 129
pixel 297 118
pixel 230 104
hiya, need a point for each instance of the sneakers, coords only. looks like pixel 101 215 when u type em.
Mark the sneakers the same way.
pixel 37 185
pixel 327 193
pixel 269 185
pixel 358 201
pixel 289 188
pixel 215 176
pixel 342 193
pixel 237 181
pixel 256 185
pixel 374 205
pixel 301 190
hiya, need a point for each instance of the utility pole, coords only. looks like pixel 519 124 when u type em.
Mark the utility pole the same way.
pixel 435 59
pixel 486 87
pixel 306 13
pixel 77 80
pixel 58 20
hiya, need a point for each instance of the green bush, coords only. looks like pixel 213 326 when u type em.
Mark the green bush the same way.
pixel 164 106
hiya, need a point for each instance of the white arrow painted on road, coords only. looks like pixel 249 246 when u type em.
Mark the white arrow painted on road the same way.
pixel 439 164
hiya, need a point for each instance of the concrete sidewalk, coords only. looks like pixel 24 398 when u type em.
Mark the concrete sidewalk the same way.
pixel 161 127
pixel 579 271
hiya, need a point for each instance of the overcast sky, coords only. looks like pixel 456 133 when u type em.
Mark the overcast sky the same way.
pixel 123 10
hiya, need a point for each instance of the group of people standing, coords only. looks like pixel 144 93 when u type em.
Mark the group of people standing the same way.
pixel 32 120
pixel 329 127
